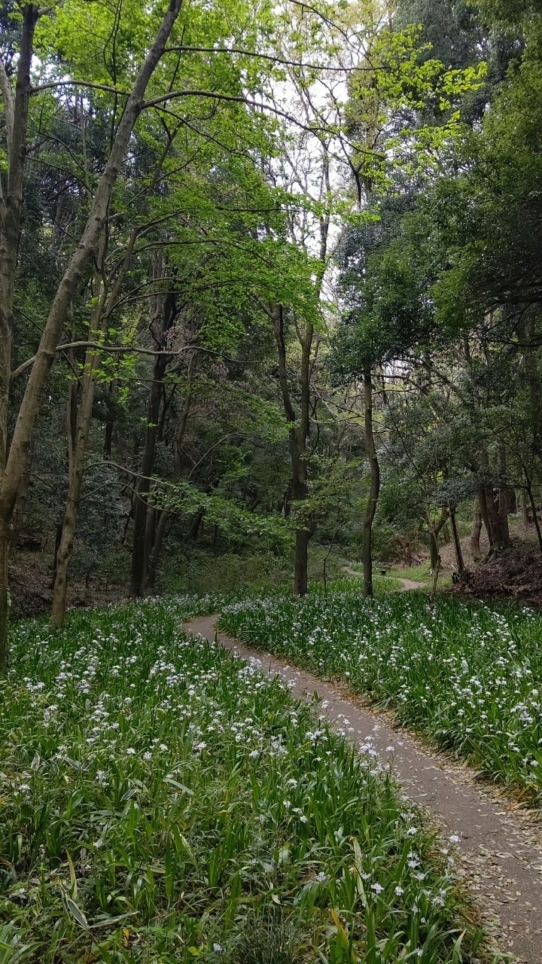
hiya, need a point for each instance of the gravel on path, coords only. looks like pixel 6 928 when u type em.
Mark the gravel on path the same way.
pixel 500 849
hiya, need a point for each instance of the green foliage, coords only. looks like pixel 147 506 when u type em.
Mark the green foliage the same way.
pixel 511 11
pixel 397 81
pixel 196 570
pixel 233 520
pixel 189 569
pixel 226 207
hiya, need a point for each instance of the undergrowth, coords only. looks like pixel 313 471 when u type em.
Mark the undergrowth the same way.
pixel 163 802
pixel 469 675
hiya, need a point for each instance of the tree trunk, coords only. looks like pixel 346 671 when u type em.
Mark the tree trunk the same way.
pixel 140 549
pixel 504 501
pixel 297 438
pixel 457 542
pixel 302 539
pixel 19 516
pixel 177 469
pixel 15 104
pixel 524 509
pixel 482 502
pixel 495 515
pixel 13 468
pixel 58 537
pixel 475 533
pixel 512 501
pixel 301 580
pixel 434 556
pixel 535 515
pixel 370 510
pixel 143 533
pixel 150 533
pixel 110 424
pixel 4 597
pixel 15 109
pixel 434 532
pixel 532 368
pixel 436 573
pixel 157 548
pixel 197 522
pixel 498 538
pixel 77 462
pixel 79 421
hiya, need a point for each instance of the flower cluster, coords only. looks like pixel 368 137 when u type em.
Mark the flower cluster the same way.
pixel 469 674
pixel 160 795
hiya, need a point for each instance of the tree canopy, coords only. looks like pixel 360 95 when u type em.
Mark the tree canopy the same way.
pixel 269 280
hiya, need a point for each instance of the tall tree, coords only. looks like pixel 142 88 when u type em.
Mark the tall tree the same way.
pixel 16 108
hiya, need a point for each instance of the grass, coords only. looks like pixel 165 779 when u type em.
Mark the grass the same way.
pixel 422 573
pixel 162 802
pixel 392 580
pixel 468 675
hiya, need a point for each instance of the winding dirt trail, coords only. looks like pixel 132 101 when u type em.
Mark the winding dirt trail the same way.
pixel 406 584
pixel 500 850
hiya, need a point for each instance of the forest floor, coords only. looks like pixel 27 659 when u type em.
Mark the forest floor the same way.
pixel 500 847
pixel 31 587
pixel 514 575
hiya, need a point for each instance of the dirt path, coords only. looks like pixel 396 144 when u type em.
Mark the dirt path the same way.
pixel 501 851
pixel 406 584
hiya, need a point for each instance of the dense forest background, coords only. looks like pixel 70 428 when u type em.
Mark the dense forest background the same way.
pixel 270 294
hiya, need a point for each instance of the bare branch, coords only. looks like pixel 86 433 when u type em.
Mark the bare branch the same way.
pixel 94 345
pixel 52 85
pixel 218 95
pixel 124 350
pixel 273 58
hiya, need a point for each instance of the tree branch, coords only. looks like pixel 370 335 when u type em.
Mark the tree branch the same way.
pixel 125 350
pixel 270 57
pixel 94 345
pixel 80 83
pixel 218 95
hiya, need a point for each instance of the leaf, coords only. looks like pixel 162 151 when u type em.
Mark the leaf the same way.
pixel 75 911
pixel 179 786
pixel 73 877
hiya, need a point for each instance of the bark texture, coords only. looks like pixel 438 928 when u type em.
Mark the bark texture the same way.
pixel 144 529
pixel 297 439
pixel 457 542
pixel 370 510
pixel 165 516
pixel 81 421
pixel 476 531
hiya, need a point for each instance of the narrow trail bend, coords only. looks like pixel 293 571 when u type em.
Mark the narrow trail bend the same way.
pixel 501 851
pixel 406 584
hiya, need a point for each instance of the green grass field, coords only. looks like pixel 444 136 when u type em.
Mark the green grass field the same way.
pixel 468 675
pixel 422 574
pixel 162 802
